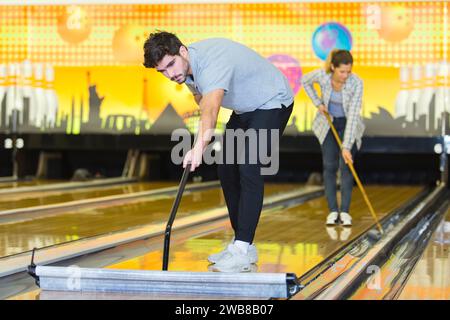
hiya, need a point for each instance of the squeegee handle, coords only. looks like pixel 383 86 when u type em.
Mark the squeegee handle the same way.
pixel 355 175
pixel 173 213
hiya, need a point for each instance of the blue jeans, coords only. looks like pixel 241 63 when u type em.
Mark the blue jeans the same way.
pixel 332 160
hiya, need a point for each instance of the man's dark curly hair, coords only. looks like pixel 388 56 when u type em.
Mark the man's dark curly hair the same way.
pixel 158 45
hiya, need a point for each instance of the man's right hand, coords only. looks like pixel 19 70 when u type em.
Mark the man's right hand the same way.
pixel 322 109
pixel 194 157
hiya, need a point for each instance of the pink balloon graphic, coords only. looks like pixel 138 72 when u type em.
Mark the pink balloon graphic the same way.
pixel 290 68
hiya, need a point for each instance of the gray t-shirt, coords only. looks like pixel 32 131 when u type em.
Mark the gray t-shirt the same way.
pixel 335 106
pixel 249 80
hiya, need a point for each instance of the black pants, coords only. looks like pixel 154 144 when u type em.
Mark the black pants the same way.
pixel 243 184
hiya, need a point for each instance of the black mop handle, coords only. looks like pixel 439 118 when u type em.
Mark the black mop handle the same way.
pixel 173 213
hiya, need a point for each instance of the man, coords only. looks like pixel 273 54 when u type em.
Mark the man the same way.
pixel 221 72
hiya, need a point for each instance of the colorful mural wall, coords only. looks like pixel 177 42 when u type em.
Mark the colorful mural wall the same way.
pixel 78 68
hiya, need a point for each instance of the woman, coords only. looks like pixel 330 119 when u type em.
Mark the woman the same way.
pixel 341 92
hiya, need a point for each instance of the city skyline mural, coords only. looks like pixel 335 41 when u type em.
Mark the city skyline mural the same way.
pixel 78 68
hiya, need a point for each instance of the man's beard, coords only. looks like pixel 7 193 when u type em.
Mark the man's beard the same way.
pixel 181 81
pixel 182 77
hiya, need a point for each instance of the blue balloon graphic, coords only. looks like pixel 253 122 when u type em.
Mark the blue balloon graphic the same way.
pixel 329 36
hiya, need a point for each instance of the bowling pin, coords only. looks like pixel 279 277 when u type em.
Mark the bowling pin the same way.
pixel 3 76
pixel 427 92
pixel 41 101
pixel 414 94
pixel 441 91
pixel 52 99
pixel 18 105
pixel 10 91
pixel 29 91
pixel 402 96
pixel 447 85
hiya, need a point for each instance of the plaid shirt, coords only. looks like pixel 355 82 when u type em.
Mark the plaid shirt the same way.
pixel 351 100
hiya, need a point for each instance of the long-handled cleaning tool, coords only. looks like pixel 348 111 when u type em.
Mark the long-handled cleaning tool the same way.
pixel 173 213
pixel 355 175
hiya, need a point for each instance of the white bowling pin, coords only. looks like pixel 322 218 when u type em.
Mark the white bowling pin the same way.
pixel 414 94
pixel 402 96
pixel 10 91
pixel 441 91
pixel 18 105
pixel 29 90
pixel 52 99
pixel 41 101
pixel 427 92
pixel 447 85
pixel 3 76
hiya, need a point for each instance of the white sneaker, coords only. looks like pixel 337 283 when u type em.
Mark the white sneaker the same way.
pixel 215 257
pixel 346 219
pixel 234 260
pixel 332 218
pixel 251 252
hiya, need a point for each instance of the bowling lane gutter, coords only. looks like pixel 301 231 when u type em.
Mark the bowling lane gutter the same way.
pixel 29 213
pixel 400 263
pixel 339 275
pixel 18 263
pixel 68 185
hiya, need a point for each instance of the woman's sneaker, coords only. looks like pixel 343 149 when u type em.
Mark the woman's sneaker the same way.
pixel 332 218
pixel 346 219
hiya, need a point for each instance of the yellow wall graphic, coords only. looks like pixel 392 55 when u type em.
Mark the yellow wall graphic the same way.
pixel 91 57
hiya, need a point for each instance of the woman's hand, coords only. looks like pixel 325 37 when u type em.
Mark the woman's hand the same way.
pixel 322 109
pixel 347 155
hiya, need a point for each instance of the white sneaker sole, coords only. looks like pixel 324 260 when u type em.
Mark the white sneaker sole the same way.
pixel 347 224
pixel 235 269
pixel 218 256
pixel 214 259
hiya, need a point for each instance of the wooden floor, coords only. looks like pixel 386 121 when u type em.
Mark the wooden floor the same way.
pixel 430 279
pixel 77 224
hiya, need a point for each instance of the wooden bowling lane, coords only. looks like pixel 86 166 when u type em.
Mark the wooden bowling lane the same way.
pixel 430 279
pixel 27 183
pixel 77 224
pixel 17 201
pixel 292 240
pixel 289 240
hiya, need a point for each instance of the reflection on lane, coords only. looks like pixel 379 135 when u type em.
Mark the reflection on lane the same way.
pixel 16 201
pixel 76 224
pixel 290 240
